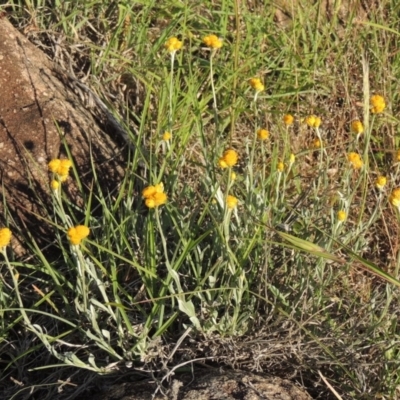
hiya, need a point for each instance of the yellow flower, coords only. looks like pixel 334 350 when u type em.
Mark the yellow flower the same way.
pixel 288 119
pixel 77 233
pixel 233 176
pixel 55 184
pixel 60 168
pixel 228 159
pixel 341 215
pixel 231 202
pixel 313 121
pixel 54 165
pixel 394 198
pixel 167 136
pixel 173 44
pixel 280 166
pixel 377 104
pixel 212 41
pixel 316 144
pixel 292 159
pixel 262 134
pixel 355 160
pixel 5 237
pixel 380 182
pixel 256 84
pixel 357 127
pixel 154 195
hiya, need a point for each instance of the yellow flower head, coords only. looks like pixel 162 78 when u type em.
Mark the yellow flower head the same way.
pixel 262 134
pixel 77 233
pixel 341 215
pixel 280 166
pixel 173 44
pixel 292 159
pixel 228 159
pixel 357 127
pixel 154 195
pixel 231 202
pixel 288 119
pixel 313 121
pixel 377 104
pixel 60 168
pixel 5 237
pixel 256 84
pixel 233 176
pixel 316 144
pixel 394 198
pixel 355 160
pixel 54 165
pixel 55 184
pixel 166 136
pixel 212 41
pixel 380 182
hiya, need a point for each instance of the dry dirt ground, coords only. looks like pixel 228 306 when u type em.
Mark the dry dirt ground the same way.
pixel 39 114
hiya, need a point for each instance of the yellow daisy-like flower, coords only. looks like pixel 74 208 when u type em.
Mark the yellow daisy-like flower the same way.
pixel 313 121
pixel 5 237
pixel 380 182
pixel 256 84
pixel 394 198
pixel 228 159
pixel 167 136
pixel 212 41
pixel 173 44
pixel 154 195
pixel 357 127
pixel 77 233
pixel 355 160
pixel 292 159
pixel 231 202
pixel 280 166
pixel 262 134
pixel 288 119
pixel 377 104
pixel 233 176
pixel 341 215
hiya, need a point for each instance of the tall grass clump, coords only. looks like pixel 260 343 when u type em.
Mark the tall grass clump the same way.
pixel 259 227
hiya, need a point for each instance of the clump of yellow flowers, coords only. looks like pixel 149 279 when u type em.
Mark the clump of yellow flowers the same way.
pixel 313 121
pixel 60 168
pixel 355 160
pixel 5 237
pixel 154 195
pixel 77 233
pixel 377 104
pixel 228 159
pixel 256 84
pixel 173 44
pixel 212 41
